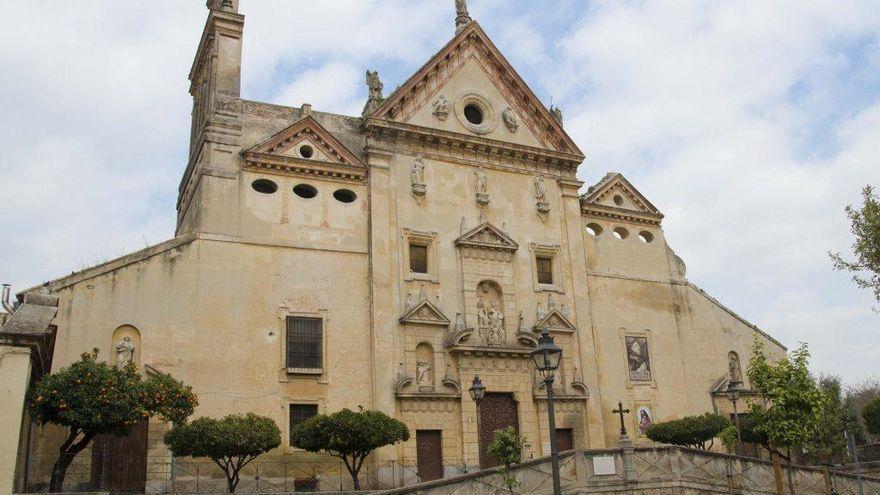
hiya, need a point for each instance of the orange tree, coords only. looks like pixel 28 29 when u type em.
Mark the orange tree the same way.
pixel 349 435
pixel 232 442
pixel 91 398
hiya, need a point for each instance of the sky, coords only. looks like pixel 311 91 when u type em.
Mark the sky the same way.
pixel 750 124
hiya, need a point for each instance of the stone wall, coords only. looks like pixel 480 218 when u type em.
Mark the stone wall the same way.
pixel 649 471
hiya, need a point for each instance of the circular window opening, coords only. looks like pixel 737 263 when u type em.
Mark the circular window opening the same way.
pixel 594 229
pixel 345 196
pixel 305 191
pixel 264 186
pixel 646 236
pixel 618 200
pixel 306 151
pixel 473 114
pixel 621 233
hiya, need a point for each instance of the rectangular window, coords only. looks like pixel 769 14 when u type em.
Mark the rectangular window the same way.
pixel 301 412
pixel 305 338
pixel 545 270
pixel 418 258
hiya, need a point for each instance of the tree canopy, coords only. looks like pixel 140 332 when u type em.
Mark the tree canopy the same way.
pixel 690 431
pixel 232 442
pixel 349 435
pixel 865 226
pixel 871 415
pixel 91 398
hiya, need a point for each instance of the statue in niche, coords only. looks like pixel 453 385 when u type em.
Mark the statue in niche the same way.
pixel 124 352
pixel 496 325
pixel 441 107
pixel 482 315
pixel 417 177
pixel 510 120
pixel 423 370
pixel 482 181
pixel 375 85
pixel 540 190
pixel 734 367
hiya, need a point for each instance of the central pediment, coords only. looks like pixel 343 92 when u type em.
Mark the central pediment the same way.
pixel 487 236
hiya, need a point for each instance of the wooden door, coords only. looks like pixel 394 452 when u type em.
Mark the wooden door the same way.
pixel 429 454
pixel 564 439
pixel 497 411
pixel 119 464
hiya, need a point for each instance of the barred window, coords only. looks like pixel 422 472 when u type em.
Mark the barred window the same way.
pixel 305 343
pixel 300 413
pixel 418 258
pixel 545 270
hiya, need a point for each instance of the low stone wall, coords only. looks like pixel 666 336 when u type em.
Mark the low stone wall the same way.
pixel 649 471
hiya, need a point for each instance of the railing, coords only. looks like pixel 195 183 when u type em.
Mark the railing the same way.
pixel 628 470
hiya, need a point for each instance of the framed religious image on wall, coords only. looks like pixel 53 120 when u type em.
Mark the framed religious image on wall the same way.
pixel 638 359
pixel 644 420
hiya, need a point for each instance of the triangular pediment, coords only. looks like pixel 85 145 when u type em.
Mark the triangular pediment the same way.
pixel 554 320
pixel 425 313
pixel 306 146
pixel 616 196
pixel 487 236
pixel 470 64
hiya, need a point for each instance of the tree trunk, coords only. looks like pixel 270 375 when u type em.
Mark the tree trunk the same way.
pixel 790 479
pixel 59 471
pixel 777 469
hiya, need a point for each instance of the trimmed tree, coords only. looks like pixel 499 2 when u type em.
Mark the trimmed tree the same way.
pixel 690 431
pixel 349 435
pixel 92 398
pixel 866 230
pixel 871 415
pixel 506 448
pixel 232 442
pixel 793 406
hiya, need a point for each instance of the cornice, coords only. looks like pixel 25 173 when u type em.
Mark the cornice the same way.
pixel 303 167
pixel 613 213
pixel 439 144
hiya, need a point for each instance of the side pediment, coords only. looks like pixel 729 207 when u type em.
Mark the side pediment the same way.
pixel 471 68
pixel 555 321
pixel 425 313
pixel 614 196
pixel 306 147
pixel 487 236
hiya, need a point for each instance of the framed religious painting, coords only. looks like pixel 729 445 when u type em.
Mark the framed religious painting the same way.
pixel 639 366
pixel 644 419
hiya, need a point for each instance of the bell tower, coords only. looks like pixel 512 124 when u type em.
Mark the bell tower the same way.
pixel 207 194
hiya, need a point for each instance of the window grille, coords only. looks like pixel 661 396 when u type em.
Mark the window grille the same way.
pixel 305 343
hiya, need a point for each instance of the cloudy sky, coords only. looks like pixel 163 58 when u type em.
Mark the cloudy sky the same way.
pixel 750 124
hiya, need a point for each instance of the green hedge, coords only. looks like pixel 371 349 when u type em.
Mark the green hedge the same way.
pixel 690 431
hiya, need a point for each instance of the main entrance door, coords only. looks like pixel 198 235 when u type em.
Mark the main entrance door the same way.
pixel 497 411
pixel 119 464
pixel 429 454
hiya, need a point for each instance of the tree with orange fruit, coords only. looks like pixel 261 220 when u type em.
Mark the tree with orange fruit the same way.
pixel 92 398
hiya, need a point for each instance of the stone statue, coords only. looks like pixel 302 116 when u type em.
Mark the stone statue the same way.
pixel 734 368
pixel 540 190
pixel 423 368
pixel 375 85
pixel 417 172
pixel 461 9
pixel 124 352
pixel 441 107
pixel 510 119
pixel 482 316
pixel 496 324
pixel 482 181
pixel 557 114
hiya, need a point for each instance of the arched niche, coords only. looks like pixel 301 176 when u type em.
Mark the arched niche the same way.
pixel 425 365
pixel 126 342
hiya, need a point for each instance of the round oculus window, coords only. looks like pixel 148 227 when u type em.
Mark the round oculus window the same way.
pixel 305 191
pixel 306 151
pixel 473 114
pixel 264 186
pixel 344 196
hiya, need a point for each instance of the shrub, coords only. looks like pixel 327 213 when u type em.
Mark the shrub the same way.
pixel 232 442
pixel 690 431
pixel 871 415
pixel 349 435
pixel 506 448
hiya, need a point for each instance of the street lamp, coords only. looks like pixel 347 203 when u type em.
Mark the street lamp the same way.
pixel 734 389
pixel 477 391
pixel 547 357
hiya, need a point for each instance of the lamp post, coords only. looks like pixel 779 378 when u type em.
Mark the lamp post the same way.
pixel 477 391
pixel 547 357
pixel 734 389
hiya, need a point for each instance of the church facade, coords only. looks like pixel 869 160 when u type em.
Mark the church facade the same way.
pixel 324 261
